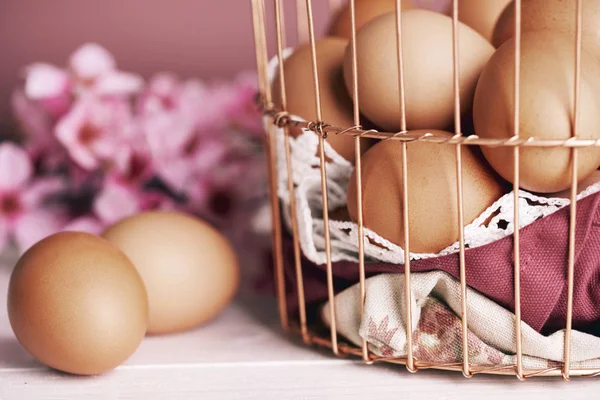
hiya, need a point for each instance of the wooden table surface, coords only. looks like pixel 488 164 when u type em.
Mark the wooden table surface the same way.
pixel 243 355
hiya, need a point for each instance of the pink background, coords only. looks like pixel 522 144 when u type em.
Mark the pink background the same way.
pixel 202 38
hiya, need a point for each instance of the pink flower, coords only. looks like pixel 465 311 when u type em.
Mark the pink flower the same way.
pixel 161 95
pixel 242 109
pixel 92 130
pixel 36 125
pixel 91 61
pixel 187 166
pixel 24 217
pixel 167 137
pixel 183 134
pixel 94 68
pixel 115 202
pixel 133 166
pixel 50 87
pixel 44 81
pixel 204 105
pixel 201 105
pixel 204 164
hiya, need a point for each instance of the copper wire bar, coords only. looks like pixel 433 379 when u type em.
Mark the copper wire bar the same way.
pixel 301 23
pixel 516 181
pixel 319 113
pixel 466 369
pixel 411 362
pixel 573 217
pixel 508 369
pixel 358 173
pixel 282 27
pixel 271 157
pixel 472 140
pixel 350 350
pixel 279 18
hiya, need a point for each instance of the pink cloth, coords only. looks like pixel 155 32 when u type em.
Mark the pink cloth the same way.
pixel 544 249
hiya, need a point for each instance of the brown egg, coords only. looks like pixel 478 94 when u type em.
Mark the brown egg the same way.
pixel 481 15
pixel 584 184
pixel 365 11
pixel 546 93
pixel 552 15
pixel 428 69
pixel 190 270
pixel 77 304
pixel 432 195
pixel 336 105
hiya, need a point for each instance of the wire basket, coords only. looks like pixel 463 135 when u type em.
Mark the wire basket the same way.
pixel 279 118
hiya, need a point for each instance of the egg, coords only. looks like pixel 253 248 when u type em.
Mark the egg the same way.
pixel 77 304
pixel 428 69
pixel 366 10
pixel 552 15
pixel 546 99
pixel 593 179
pixel 190 270
pixel 432 195
pixel 336 106
pixel 481 15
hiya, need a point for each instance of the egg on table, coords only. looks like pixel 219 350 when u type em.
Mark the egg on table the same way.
pixel 546 109
pixel 190 270
pixel 336 105
pixel 77 303
pixel 552 15
pixel 428 69
pixel 432 195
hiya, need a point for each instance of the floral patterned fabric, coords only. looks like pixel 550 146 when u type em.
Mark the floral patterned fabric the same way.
pixel 437 327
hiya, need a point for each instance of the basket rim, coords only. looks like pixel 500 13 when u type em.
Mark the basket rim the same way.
pixel 350 350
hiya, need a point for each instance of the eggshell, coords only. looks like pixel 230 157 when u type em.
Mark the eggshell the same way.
pixel 432 195
pixel 365 11
pixel 546 93
pixel 481 15
pixel 190 270
pixel 428 69
pixel 336 106
pixel 552 15
pixel 593 179
pixel 77 304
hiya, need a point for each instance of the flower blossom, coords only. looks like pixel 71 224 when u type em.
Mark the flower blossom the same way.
pixel 92 130
pixel 94 69
pixel 116 201
pixel 25 217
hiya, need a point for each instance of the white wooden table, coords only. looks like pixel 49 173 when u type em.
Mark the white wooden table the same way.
pixel 243 355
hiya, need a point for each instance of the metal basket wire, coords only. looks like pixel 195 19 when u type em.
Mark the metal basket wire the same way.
pixel 280 118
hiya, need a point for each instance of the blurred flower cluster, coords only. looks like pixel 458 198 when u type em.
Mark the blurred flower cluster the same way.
pixel 98 144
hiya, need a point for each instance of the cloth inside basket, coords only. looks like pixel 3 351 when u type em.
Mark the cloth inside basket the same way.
pixel 489 270
pixel 436 326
